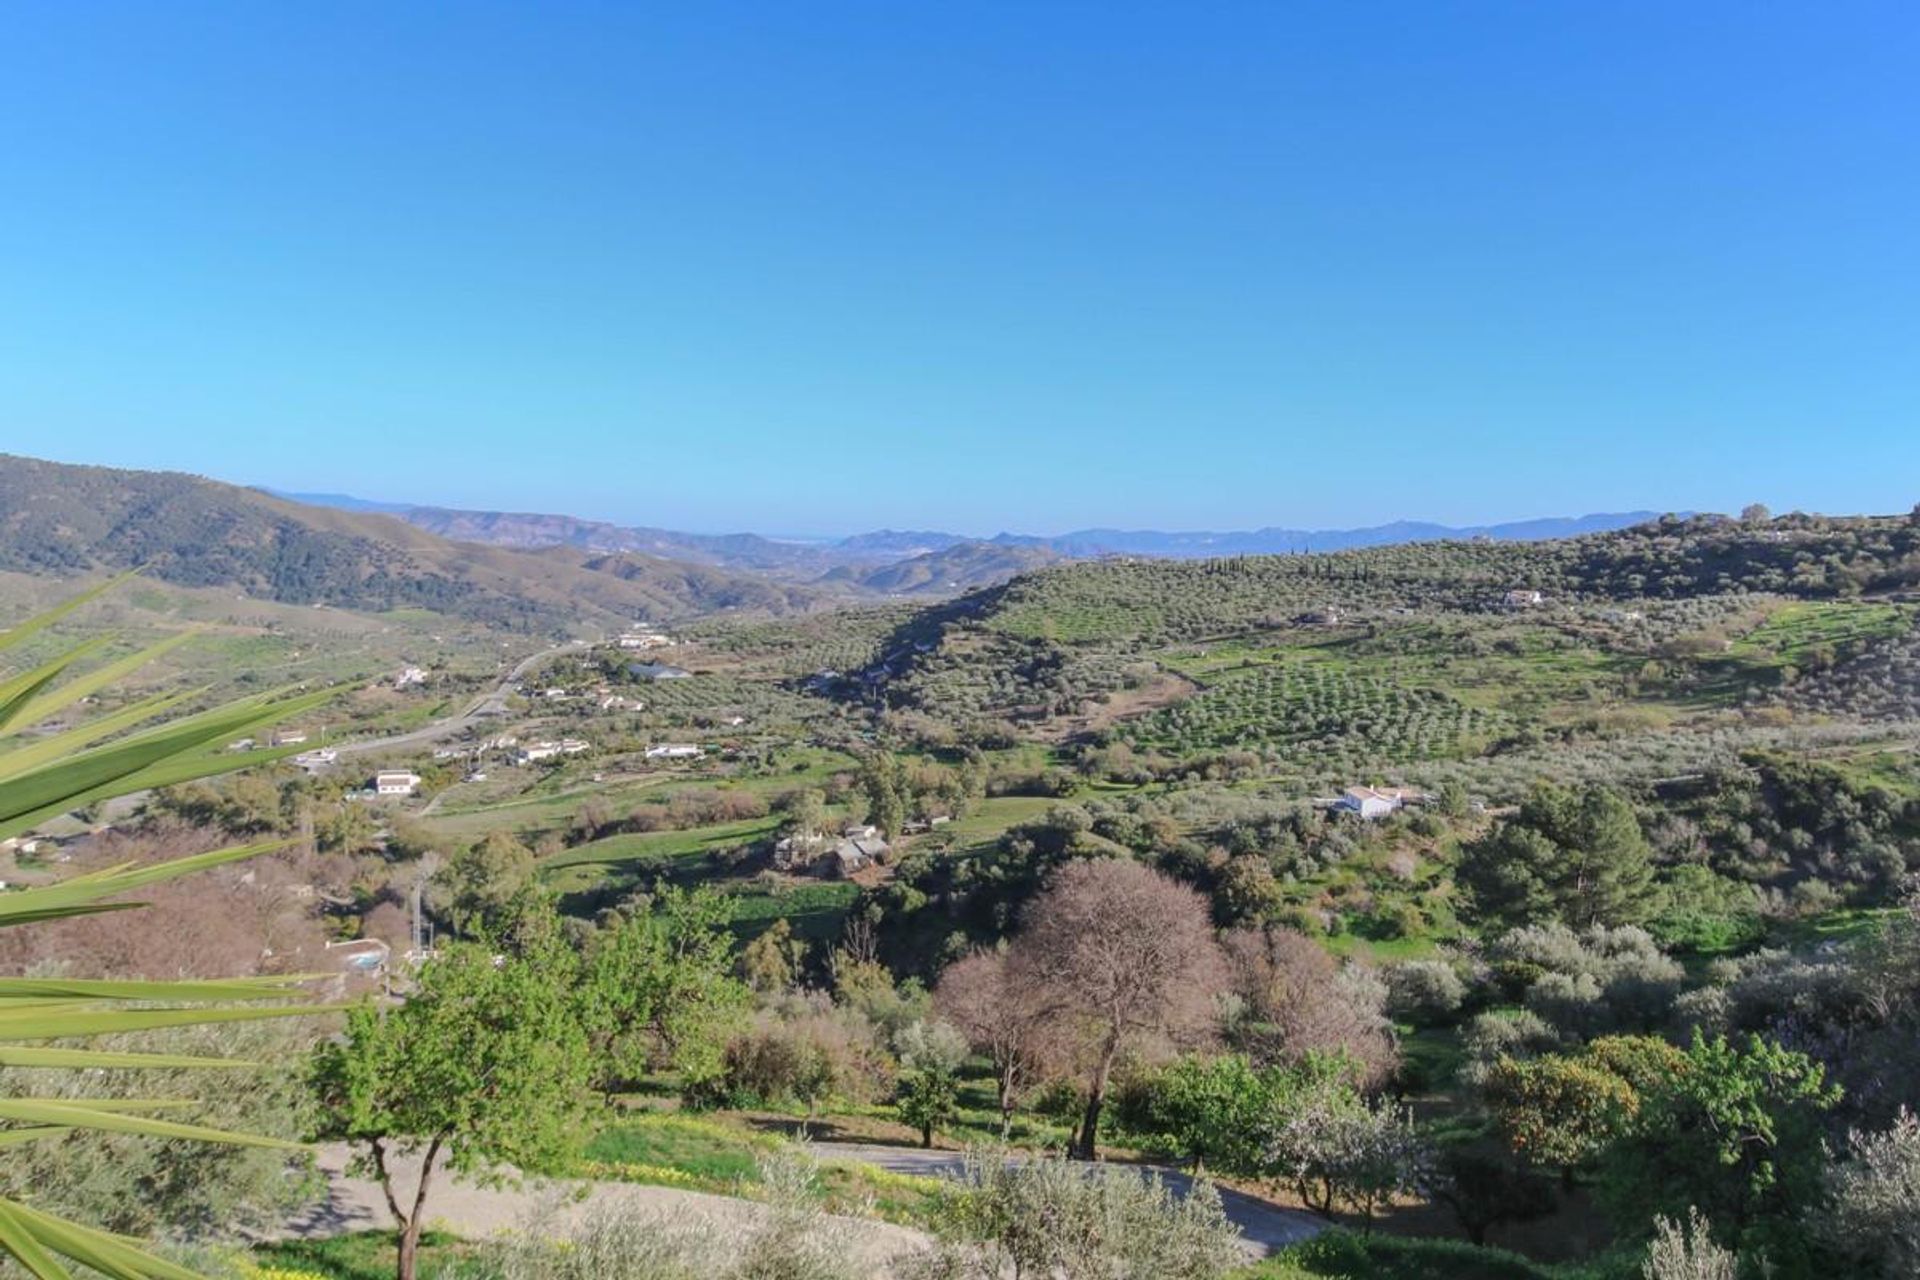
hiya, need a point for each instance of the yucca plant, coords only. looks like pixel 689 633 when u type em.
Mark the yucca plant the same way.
pixel 44 1022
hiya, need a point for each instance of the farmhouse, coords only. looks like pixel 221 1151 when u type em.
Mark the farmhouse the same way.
pixel 395 782
pixel 674 751
pixel 861 847
pixel 536 751
pixel 644 640
pixel 1373 802
pixel 656 671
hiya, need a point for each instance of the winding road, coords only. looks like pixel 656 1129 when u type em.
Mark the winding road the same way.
pixel 489 704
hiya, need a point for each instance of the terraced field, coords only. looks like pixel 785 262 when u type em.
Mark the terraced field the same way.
pixel 1328 713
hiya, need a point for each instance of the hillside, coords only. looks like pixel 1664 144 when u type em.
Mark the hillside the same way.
pixel 1049 645
pixel 60 520
pixel 961 567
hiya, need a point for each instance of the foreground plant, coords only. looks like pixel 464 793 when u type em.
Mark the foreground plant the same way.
pixel 40 1018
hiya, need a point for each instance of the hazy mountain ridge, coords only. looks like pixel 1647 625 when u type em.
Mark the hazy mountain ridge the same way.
pixel 63 520
pixel 763 554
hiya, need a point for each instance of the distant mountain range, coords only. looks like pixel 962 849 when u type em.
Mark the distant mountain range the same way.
pixel 812 559
pixel 58 520
pixel 550 572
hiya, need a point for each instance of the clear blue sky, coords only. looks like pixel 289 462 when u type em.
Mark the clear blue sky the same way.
pixel 818 267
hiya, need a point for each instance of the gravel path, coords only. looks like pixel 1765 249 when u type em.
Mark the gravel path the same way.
pixel 1264 1228
pixel 356 1204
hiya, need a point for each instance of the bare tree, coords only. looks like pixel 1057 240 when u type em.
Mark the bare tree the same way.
pixel 1296 999
pixel 1017 1033
pixel 1119 957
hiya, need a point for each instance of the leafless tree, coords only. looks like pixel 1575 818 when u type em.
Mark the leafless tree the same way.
pixel 1296 999
pixel 1120 958
pixel 1018 1034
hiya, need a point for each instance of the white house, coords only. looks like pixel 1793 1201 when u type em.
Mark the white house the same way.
pixel 535 751
pixel 1373 802
pixel 657 671
pixel 409 676
pixel 1523 598
pixel 395 782
pixel 289 737
pixel 674 751
pixel 644 640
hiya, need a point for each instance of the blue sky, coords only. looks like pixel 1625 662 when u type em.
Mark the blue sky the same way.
pixel 824 267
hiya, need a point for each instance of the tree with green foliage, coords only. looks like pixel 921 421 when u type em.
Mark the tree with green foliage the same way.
pixel 657 990
pixel 1485 1191
pixel 45 1022
pixel 806 813
pixel 481 884
pixel 1207 1110
pixel 883 780
pixel 1559 1111
pixel 927 1092
pixel 486 1065
pixel 1736 1133
pixel 1576 857
pixel 928 1099
pixel 770 963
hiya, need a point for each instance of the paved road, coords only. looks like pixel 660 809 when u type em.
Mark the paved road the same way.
pixel 1264 1228
pixel 356 1204
pixel 491 703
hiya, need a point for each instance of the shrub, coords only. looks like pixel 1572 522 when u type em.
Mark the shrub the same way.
pixel 1424 991
pixel 1048 1217
pixel 1686 1251
pixel 1873 1212
pixel 795 1241
pixel 1345 1255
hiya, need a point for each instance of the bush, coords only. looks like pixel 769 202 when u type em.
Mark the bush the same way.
pixel 1345 1255
pixel 806 1053
pixel 1424 992
pixel 1686 1251
pixel 1051 1218
pixel 796 1241
pixel 1873 1216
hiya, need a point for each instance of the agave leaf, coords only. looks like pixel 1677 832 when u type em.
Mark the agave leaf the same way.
pixel 150 758
pixel 15 1055
pixel 107 1254
pixel 87 889
pixel 17 693
pixel 85 1116
pixel 17 1239
pixel 134 1104
pixel 31 755
pixel 96 680
pixel 110 1021
pixel 139 989
pixel 46 618
pixel 38 1133
pixel 39 915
